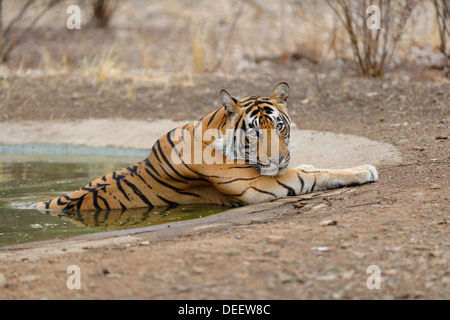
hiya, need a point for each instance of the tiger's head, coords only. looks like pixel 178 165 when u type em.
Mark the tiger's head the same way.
pixel 257 130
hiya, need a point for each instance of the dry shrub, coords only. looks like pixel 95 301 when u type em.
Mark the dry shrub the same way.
pixel 373 48
pixel 443 19
pixel 21 25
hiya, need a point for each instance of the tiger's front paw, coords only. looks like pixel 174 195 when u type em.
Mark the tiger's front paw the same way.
pixel 368 173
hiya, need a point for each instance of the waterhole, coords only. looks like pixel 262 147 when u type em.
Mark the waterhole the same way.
pixel 28 177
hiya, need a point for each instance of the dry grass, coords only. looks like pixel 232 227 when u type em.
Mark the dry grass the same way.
pixel 175 37
pixel 102 67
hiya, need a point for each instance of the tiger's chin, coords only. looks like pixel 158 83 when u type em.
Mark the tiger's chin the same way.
pixel 272 170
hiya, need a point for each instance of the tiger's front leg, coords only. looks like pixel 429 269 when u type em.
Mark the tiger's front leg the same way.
pixel 255 188
pixel 323 179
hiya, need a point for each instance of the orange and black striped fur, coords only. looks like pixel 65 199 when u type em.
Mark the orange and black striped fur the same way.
pixel 170 176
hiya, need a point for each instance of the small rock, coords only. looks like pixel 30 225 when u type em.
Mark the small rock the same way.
pixel 201 256
pixel 379 206
pixel 345 245
pixel 276 239
pixel 320 249
pixel 286 278
pixel 144 243
pixel 268 251
pixel 328 223
pixel 436 253
pixel 337 295
pixel 435 186
pixel 396 125
pixel 105 271
pixel 319 206
pixel 359 255
pixel 29 278
pixel 417 194
pixel 391 272
pixel 393 249
pixel 346 276
pixel 197 269
pixel 75 95
pixel 328 277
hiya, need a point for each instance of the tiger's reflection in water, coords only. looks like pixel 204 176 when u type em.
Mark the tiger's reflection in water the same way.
pixel 137 217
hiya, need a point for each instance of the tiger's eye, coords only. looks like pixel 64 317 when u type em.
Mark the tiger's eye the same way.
pixel 280 126
pixel 252 134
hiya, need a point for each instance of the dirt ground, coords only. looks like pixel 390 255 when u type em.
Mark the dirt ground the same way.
pixel 317 248
pixel 399 223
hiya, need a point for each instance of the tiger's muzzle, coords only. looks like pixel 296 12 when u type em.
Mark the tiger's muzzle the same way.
pixel 274 167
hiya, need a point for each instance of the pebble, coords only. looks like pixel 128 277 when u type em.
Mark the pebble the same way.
pixel 29 278
pixel 328 277
pixel 436 253
pixel 197 269
pixel 396 125
pixel 269 251
pixel 328 223
pixel 359 255
pixel 276 239
pixel 345 245
pixel 319 206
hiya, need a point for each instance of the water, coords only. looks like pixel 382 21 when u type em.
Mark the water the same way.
pixel 28 179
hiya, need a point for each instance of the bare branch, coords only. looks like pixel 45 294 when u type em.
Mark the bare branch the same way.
pixel 7 41
pixel 1 22
pixel 229 38
pixel 103 12
pixel 373 49
pixel 442 8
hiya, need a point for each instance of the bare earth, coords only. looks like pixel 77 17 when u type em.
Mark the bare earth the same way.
pixel 399 223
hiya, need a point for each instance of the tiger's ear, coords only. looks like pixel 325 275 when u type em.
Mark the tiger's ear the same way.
pixel 280 93
pixel 231 104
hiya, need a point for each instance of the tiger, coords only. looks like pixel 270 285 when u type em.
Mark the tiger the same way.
pixel 243 172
